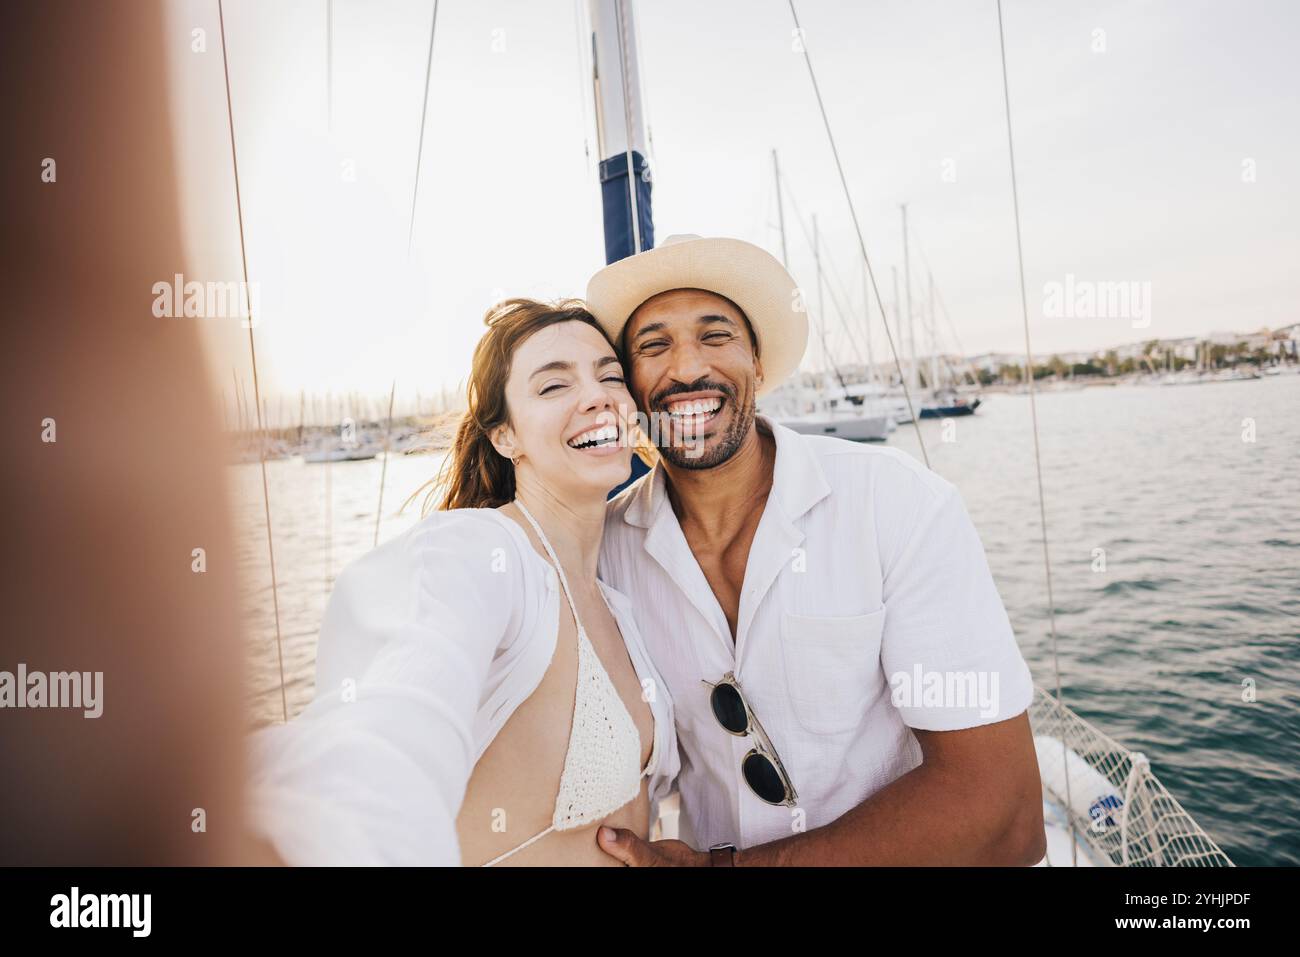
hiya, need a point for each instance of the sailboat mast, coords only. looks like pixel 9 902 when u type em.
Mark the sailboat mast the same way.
pixel 866 324
pixel 898 314
pixel 621 130
pixel 780 211
pixel 821 310
pixel 909 328
pixel 934 337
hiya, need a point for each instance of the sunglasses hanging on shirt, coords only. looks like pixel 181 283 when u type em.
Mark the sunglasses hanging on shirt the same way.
pixel 761 767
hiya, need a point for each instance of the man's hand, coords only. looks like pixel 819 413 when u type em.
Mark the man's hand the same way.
pixel 625 846
pixel 975 800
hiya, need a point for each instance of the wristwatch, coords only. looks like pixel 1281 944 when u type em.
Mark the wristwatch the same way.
pixel 722 855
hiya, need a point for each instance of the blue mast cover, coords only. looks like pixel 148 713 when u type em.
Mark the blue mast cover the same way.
pixel 616 201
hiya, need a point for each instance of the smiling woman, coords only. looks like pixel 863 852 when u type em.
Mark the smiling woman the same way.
pixel 460 714
pixel 476 474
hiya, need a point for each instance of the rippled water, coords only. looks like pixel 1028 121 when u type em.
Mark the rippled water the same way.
pixel 1200 591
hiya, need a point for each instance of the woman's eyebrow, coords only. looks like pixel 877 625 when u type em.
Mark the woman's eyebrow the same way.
pixel 557 366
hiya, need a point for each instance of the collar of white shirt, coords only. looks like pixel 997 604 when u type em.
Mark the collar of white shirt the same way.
pixel 798 483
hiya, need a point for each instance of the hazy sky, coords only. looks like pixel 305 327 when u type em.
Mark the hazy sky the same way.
pixel 1135 149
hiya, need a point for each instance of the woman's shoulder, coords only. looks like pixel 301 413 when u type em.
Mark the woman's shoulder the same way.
pixel 458 555
pixel 454 572
pixel 476 539
pixel 488 523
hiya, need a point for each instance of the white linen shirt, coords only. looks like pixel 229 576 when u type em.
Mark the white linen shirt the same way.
pixel 429 644
pixel 864 566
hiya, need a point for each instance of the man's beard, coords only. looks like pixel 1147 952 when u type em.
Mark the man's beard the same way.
pixel 690 453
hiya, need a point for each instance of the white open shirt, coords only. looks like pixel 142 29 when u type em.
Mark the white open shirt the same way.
pixel 864 565
pixel 429 644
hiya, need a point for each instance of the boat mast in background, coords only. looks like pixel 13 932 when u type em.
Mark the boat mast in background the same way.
pixel 908 333
pixel 622 138
pixel 621 130
pixel 934 336
pixel 780 210
pixel 898 315
pixel 821 303
pixel 866 324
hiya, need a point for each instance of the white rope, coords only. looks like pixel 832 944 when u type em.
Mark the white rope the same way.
pixel 252 352
pixel 424 113
pixel 1033 413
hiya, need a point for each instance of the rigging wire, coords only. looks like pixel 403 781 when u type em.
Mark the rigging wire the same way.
pixel 970 369
pixel 329 66
pixel 1033 413
pixel 583 92
pixel 383 474
pixel 943 305
pixel 862 246
pixel 252 353
pixel 835 300
pixel 821 311
pixel 424 114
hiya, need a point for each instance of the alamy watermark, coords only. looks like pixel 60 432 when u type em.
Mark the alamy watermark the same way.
pixel 1086 299
pixel 55 689
pixel 660 429
pixel 945 689
pixel 207 300
pixel 75 909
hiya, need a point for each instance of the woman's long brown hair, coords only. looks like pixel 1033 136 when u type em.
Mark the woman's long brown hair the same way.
pixel 475 474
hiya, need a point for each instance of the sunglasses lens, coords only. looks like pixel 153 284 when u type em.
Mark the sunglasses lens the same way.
pixel 762 777
pixel 729 709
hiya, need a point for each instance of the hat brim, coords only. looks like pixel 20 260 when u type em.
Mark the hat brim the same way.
pixel 749 276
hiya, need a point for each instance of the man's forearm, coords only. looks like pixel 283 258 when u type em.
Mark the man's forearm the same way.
pixel 925 817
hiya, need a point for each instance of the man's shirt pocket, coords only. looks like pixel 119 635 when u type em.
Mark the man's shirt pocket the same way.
pixel 829 666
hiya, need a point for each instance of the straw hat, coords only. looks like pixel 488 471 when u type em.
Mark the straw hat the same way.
pixel 747 275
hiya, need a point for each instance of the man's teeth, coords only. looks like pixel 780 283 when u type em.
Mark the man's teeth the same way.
pixel 694 407
pixel 601 436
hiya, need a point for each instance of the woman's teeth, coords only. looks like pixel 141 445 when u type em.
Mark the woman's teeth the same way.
pixel 604 435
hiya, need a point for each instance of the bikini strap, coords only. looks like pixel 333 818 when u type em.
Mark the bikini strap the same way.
pixel 564 582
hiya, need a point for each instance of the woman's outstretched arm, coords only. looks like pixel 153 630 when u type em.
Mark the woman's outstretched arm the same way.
pixel 374 770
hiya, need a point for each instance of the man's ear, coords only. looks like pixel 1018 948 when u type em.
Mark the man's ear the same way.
pixel 758 371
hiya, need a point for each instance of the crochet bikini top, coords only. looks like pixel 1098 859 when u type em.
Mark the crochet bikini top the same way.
pixel 600 766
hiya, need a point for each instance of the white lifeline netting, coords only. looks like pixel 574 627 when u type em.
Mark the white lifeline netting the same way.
pixel 1119 809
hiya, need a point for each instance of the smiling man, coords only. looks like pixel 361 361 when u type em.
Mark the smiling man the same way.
pixel 815 607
